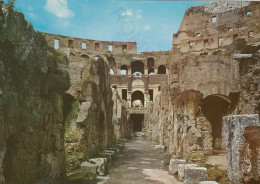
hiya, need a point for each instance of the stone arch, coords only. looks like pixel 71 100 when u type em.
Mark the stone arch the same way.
pixel 123 70
pixel 97 57
pixel 111 61
pixel 111 71
pixel 84 56
pixel 137 95
pixel 137 66
pixel 150 65
pixel 214 107
pixel 162 69
pixel 138 83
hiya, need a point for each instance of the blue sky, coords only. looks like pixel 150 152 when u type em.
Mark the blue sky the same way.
pixel 149 23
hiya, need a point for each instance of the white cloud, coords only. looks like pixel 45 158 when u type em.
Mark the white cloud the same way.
pixel 127 13
pixel 58 8
pixel 147 27
pixel 139 17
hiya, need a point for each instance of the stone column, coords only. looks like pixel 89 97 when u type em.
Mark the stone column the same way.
pixel 234 137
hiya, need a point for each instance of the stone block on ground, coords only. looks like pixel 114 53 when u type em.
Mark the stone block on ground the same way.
pixel 208 182
pixel 106 155
pixel 194 175
pixel 173 167
pixel 239 162
pixel 102 165
pixel 181 168
pixel 159 148
pixel 89 167
pixel 117 150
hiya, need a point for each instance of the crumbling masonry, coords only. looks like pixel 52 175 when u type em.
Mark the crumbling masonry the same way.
pixel 202 96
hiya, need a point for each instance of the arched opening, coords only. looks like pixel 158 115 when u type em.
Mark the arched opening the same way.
pixel 111 71
pixel 123 70
pixel 161 69
pixel 137 66
pixel 137 99
pixel 73 54
pixel 214 107
pixel 96 58
pixel 150 65
pixel 84 56
pixel 111 61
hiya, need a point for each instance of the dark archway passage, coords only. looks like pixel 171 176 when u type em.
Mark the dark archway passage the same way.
pixel 214 107
pixel 137 66
pixel 137 95
pixel 137 120
pixel 161 69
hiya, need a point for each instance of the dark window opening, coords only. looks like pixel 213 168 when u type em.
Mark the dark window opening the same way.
pixel 150 65
pixel 206 42
pixel 214 107
pixel 230 29
pixel 151 94
pixel 137 120
pixel 124 48
pixel 70 43
pixel 159 88
pixel 137 99
pixel 137 66
pixel 150 71
pixel 161 69
pixel 84 56
pixel 96 46
pixel 124 94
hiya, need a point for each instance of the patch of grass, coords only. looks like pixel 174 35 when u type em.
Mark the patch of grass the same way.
pixel 218 175
pixel 80 177
pixel 58 56
pixel 72 115
pixel 83 80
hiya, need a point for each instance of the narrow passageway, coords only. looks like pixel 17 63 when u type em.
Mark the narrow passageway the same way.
pixel 139 164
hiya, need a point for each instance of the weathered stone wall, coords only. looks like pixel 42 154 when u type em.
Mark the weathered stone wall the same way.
pixel 75 44
pixel 119 116
pixel 89 126
pixel 242 146
pixel 31 104
pixel 233 20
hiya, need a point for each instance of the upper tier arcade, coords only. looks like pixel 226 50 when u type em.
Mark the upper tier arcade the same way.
pixel 91 46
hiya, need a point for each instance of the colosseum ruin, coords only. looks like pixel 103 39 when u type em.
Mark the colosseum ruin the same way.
pixel 77 110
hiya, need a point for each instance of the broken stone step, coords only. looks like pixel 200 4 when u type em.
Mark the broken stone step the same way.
pixel 106 155
pixel 208 182
pixel 194 175
pixel 102 165
pixel 117 150
pixel 173 167
pixel 181 168
pixel 159 148
pixel 110 151
pixel 89 167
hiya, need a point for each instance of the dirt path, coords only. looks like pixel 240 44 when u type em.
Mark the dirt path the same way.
pixel 138 164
